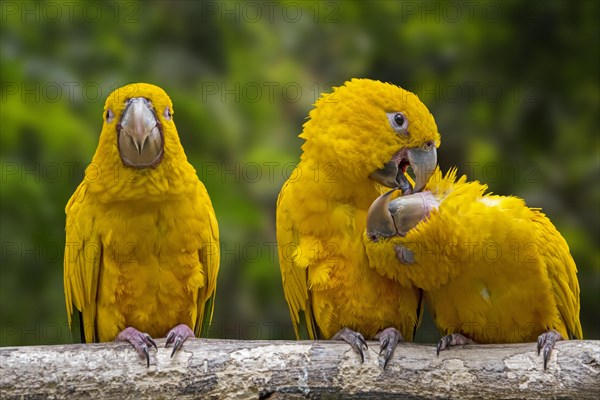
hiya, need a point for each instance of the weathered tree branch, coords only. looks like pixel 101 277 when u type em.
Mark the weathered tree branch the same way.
pixel 289 369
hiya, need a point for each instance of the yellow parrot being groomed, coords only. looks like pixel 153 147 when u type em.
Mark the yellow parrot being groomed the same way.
pixel 142 241
pixel 359 139
pixel 492 269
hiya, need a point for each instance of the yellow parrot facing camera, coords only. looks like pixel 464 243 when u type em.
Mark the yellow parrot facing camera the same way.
pixel 142 241
pixel 359 140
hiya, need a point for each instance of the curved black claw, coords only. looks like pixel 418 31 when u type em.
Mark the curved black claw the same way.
pixel 388 340
pixel 177 336
pixel 454 339
pixel 139 340
pixel 354 339
pixel 547 340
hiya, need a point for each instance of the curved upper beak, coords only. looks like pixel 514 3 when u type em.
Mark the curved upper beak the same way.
pixel 387 217
pixel 379 220
pixel 422 161
pixel 140 136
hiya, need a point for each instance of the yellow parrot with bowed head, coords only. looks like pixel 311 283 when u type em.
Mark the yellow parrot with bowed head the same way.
pixel 142 241
pixel 359 140
pixel 492 269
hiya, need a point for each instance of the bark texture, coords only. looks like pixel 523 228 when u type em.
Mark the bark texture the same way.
pixel 229 369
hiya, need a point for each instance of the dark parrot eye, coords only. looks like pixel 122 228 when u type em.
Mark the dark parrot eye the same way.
pixel 167 113
pixel 109 116
pixel 399 119
pixel 399 122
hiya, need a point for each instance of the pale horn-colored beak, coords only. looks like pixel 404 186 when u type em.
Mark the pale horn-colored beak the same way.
pixel 408 211
pixel 379 220
pixel 387 218
pixel 423 163
pixel 140 136
pixel 422 160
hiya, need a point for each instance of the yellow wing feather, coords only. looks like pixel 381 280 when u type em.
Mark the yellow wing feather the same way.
pixel 294 276
pixel 83 252
pixel 562 272
pixel 210 260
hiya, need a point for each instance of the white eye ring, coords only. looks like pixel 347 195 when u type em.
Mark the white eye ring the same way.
pixel 399 122
pixel 167 114
pixel 109 116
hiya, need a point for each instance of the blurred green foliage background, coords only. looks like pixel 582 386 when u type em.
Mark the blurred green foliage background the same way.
pixel 514 88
